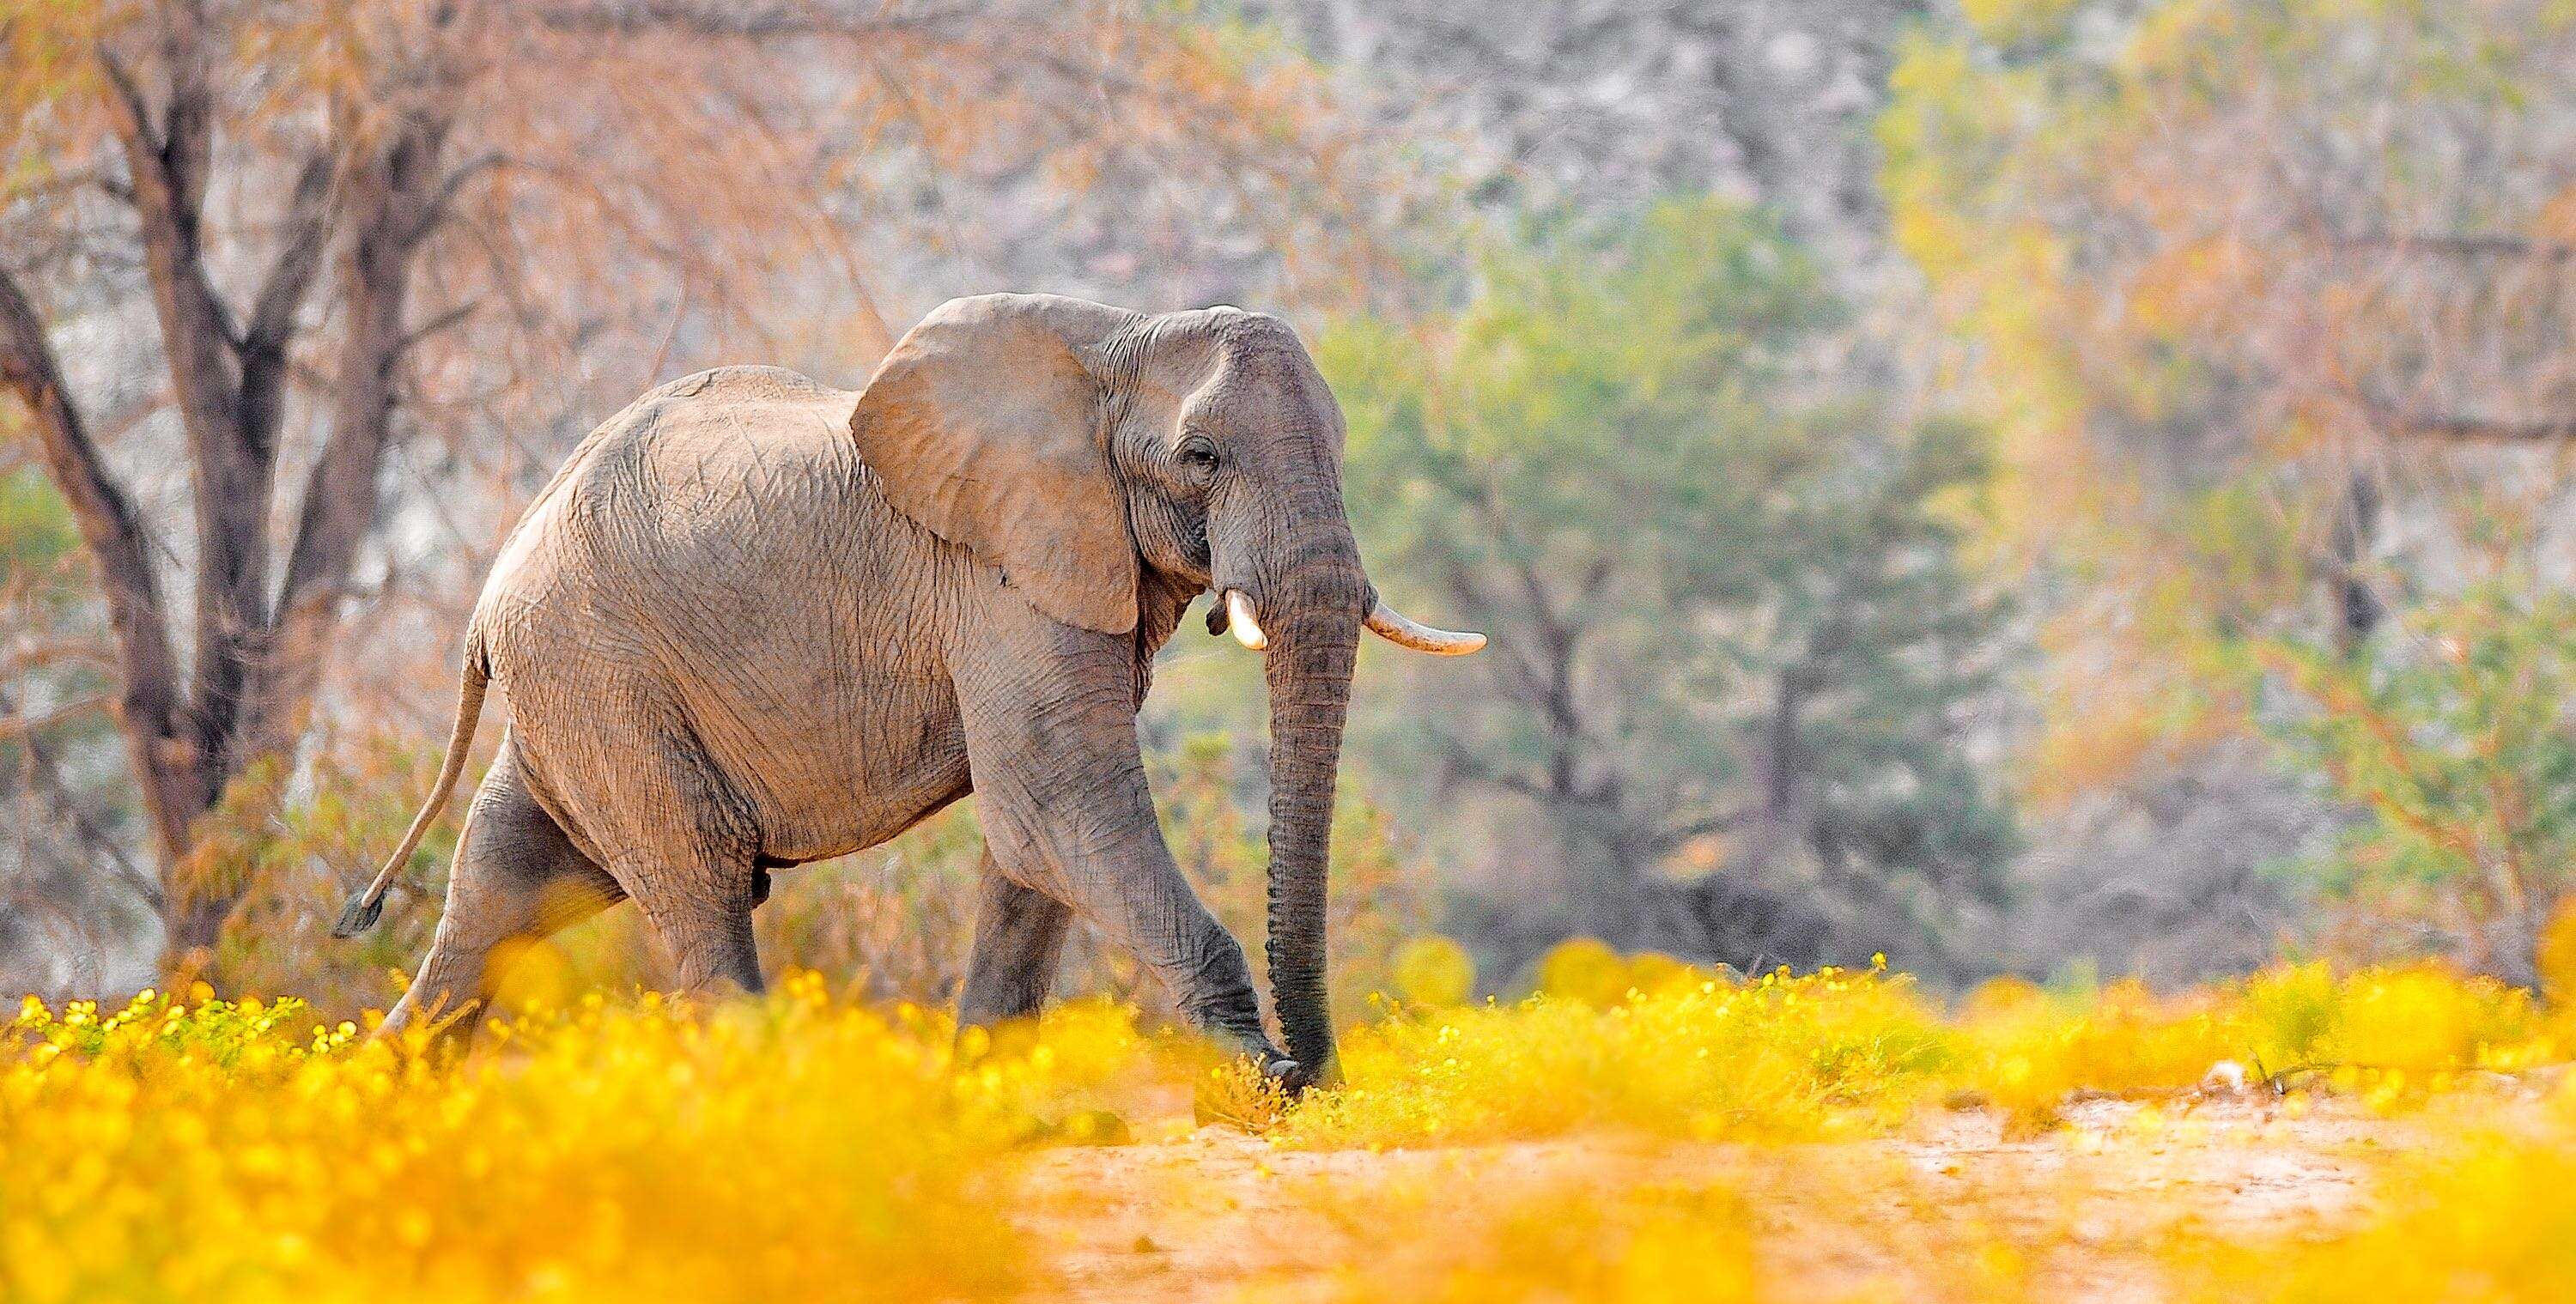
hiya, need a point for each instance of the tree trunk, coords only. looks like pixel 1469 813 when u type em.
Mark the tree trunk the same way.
pixel 2356 522
pixel 389 191
pixel 150 712
pixel 1778 822
pixel 257 657
pixel 389 209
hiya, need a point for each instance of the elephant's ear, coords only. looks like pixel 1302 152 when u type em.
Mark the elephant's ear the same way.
pixel 985 426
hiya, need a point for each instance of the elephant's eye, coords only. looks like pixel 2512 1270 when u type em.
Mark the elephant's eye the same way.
pixel 1198 455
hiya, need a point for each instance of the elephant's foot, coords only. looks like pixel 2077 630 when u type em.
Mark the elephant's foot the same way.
pixel 1233 1019
pixel 1254 1093
pixel 441 1025
pixel 1291 1076
pixel 1253 1043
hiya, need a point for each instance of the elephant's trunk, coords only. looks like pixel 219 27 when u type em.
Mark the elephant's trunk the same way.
pixel 1313 614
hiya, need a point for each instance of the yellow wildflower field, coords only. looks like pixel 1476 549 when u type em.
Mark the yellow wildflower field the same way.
pixel 1637 1131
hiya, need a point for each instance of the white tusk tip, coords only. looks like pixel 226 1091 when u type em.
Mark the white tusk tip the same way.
pixel 1404 631
pixel 1239 618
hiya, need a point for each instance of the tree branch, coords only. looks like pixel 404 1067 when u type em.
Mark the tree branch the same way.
pixel 230 417
pixel 299 256
pixel 262 349
pixel 126 109
pixel 388 190
pixel 2464 427
pixel 18 726
pixel 1690 830
pixel 449 319
pixel 1479 770
pixel 2449 245
pixel 442 199
pixel 188 119
pixel 36 653
pixel 165 166
pixel 47 779
pixel 149 707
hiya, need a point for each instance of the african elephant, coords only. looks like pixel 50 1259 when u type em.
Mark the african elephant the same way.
pixel 755 622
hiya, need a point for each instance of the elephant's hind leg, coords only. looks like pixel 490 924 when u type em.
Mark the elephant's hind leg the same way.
pixel 669 827
pixel 1019 937
pixel 703 921
pixel 516 879
pixel 684 847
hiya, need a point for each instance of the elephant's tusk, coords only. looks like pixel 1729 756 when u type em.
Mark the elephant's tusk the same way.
pixel 1238 617
pixel 1404 631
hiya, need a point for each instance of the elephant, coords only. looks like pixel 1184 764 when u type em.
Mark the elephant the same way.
pixel 755 622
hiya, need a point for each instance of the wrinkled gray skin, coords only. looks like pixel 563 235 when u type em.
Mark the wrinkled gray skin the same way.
pixel 756 622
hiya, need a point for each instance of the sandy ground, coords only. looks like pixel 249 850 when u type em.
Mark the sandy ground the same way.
pixel 1952 1208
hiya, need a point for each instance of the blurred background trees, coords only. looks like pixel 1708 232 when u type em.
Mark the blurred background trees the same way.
pixel 1735 660
pixel 254 244
pixel 2268 306
pixel 2453 743
pixel 2058 486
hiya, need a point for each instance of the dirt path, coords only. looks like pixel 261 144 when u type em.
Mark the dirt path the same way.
pixel 1951 1209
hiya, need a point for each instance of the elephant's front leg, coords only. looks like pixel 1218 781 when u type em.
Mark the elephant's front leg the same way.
pixel 1060 789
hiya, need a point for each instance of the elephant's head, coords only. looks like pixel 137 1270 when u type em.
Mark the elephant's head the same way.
pixel 1091 453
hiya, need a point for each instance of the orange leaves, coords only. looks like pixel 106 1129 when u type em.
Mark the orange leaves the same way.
pixel 2195 284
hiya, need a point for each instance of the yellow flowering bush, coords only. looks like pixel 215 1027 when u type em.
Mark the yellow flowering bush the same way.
pixel 185 1148
pixel 1693 1054
pixel 784 1148
pixel 2390 1033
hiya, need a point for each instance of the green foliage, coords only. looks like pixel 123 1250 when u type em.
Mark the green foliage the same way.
pixel 1723 592
pixel 2239 287
pixel 60 780
pixel 36 533
pixel 293 860
pixel 46 589
pixel 1894 629
pixel 2454 739
pixel 2020 22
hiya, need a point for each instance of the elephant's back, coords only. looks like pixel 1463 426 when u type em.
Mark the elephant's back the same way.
pixel 698 478
pixel 711 462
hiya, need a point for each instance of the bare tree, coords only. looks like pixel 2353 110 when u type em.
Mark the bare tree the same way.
pixel 360 219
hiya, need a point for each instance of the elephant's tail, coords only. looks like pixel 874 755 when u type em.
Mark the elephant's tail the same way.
pixel 365 908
